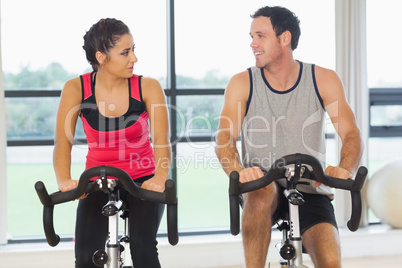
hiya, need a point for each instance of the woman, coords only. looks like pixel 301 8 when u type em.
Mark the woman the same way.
pixel 115 107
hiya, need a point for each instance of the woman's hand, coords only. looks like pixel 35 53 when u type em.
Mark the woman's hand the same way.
pixel 68 185
pixel 156 183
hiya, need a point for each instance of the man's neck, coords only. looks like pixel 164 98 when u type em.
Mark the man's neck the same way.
pixel 284 75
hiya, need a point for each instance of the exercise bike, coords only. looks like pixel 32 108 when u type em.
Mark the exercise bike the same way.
pixel 112 255
pixel 293 168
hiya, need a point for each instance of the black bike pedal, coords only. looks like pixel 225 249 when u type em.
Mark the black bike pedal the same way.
pixel 100 258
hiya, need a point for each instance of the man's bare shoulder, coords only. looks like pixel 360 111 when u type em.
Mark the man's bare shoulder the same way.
pixel 329 85
pixel 325 75
pixel 242 78
pixel 239 85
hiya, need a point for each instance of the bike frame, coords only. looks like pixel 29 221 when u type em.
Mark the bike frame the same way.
pixel 292 248
pixel 113 245
pixel 111 257
pixel 127 261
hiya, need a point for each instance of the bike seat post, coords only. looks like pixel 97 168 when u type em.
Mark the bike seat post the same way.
pixel 126 240
pixel 295 235
pixel 111 210
pixel 295 199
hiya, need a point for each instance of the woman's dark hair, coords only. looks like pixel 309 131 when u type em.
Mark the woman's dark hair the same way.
pixel 102 36
pixel 282 19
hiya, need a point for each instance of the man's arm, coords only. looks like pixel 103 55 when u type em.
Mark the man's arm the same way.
pixel 343 119
pixel 230 124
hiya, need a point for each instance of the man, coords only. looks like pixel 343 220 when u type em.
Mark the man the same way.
pixel 278 106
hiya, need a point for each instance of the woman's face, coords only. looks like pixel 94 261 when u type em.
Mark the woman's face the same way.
pixel 121 58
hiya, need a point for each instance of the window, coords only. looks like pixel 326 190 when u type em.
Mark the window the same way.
pixel 212 38
pixel 385 112
pixel 385 83
pixel 210 44
pixel 41 50
pixel 383 68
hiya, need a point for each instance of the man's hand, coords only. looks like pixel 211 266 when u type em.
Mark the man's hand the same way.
pixel 250 174
pixel 336 172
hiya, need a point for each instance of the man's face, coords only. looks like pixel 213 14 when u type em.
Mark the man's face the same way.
pixel 265 44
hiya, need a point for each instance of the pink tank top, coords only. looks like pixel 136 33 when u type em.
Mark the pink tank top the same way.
pixel 121 142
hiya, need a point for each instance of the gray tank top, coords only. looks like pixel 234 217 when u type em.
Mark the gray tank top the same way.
pixel 278 123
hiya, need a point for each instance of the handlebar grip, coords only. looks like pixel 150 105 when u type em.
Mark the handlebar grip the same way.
pixel 234 203
pixel 48 202
pixel 51 237
pixel 170 191
pixel 61 197
pixel 356 199
pixel 171 201
pixel 360 178
pixel 173 235
pixel 42 193
pixel 354 222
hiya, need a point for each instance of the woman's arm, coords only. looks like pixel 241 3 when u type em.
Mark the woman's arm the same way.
pixel 155 102
pixel 67 115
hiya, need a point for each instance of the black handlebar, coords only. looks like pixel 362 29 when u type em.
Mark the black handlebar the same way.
pixel 124 180
pixel 277 171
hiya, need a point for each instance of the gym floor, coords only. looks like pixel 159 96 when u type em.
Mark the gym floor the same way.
pixel 368 262
pixel 366 244
pixel 31 260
